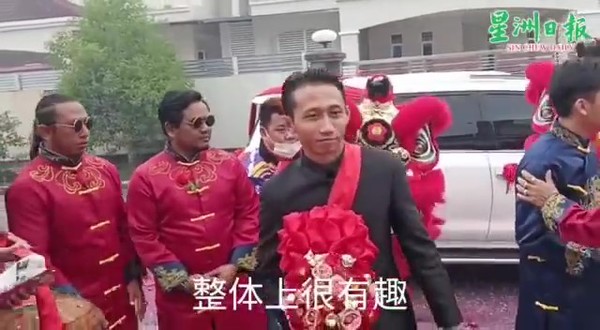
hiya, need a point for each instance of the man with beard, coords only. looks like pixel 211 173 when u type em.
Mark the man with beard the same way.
pixel 315 101
pixel 67 201
pixel 278 142
pixel 193 217
pixel 559 280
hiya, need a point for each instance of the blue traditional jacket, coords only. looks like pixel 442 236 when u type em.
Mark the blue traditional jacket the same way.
pixel 559 281
pixel 259 169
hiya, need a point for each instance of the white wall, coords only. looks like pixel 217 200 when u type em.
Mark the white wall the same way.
pixel 32 35
pixel 229 99
pixel 359 14
pixel 189 38
pixel 452 32
pixel 267 28
pixel 447 36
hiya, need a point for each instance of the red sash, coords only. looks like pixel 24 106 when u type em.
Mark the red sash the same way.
pixel 345 185
pixel 49 316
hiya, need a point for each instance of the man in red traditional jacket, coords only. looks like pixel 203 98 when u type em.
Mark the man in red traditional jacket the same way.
pixel 193 214
pixel 68 205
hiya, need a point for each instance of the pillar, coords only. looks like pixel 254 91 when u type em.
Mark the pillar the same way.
pixel 350 45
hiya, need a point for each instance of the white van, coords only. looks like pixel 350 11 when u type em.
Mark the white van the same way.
pixel 491 122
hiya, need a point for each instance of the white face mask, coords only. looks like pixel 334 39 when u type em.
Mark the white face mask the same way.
pixel 287 150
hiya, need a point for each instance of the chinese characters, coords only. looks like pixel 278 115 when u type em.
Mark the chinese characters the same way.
pixel 212 294
pixel 574 29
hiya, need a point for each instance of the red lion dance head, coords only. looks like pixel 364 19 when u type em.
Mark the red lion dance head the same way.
pixel 417 127
pixel 540 77
pixel 536 93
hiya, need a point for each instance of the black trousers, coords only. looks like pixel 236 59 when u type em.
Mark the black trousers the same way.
pixel 277 320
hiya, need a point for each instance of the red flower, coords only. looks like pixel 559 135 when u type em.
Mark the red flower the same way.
pixel 327 243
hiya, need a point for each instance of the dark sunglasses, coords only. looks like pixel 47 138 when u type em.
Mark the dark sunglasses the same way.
pixel 197 122
pixel 78 124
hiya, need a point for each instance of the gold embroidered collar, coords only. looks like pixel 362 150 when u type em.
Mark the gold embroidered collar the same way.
pixel 570 138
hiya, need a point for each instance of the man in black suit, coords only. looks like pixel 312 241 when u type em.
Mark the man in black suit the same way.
pixel 315 101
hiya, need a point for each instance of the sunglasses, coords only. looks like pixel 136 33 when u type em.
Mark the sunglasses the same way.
pixel 197 122
pixel 78 124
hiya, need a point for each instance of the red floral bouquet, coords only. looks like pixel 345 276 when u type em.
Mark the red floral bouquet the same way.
pixel 327 258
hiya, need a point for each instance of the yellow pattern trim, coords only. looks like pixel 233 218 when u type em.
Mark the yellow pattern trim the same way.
pixel 552 210
pixel 535 258
pixel 170 279
pixel 111 290
pixel 547 308
pixel 118 322
pixel 109 259
pixel 207 248
pixel 248 262
pixel 100 224
pixel 203 217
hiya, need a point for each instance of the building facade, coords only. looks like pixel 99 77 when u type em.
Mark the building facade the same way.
pixel 249 45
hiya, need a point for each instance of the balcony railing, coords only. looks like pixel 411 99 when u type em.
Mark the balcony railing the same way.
pixel 472 61
pixel 498 60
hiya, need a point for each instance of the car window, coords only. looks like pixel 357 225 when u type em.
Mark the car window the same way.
pixel 509 116
pixel 484 120
pixel 464 134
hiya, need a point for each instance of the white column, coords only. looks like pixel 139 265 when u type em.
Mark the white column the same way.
pixel 350 45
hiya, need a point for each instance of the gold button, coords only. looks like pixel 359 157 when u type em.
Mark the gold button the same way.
pixel 111 290
pixel 119 321
pixel 203 217
pixel 109 259
pixel 100 224
pixel 207 248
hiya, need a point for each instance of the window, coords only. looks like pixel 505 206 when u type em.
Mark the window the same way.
pixel 427 43
pixel 464 133
pixel 531 37
pixel 396 44
pixel 509 117
pixel 201 55
pixel 483 120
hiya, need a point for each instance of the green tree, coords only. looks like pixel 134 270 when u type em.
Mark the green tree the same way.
pixel 8 133
pixel 119 66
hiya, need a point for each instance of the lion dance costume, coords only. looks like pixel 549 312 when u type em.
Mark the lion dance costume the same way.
pixel 409 131
pixel 536 94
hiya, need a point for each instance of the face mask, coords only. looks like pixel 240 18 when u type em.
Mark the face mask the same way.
pixel 287 150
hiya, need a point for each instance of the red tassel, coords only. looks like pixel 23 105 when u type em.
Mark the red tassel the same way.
pixel 48 314
pixel 509 172
pixel 48 310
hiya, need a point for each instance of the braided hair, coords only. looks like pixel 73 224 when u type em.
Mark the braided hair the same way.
pixel 45 114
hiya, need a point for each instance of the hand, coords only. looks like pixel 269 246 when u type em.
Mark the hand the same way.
pixel 16 298
pixel 7 253
pixel 136 298
pixel 226 273
pixel 535 191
